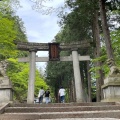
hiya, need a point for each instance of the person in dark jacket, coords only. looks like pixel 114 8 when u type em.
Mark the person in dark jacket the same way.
pixel 47 95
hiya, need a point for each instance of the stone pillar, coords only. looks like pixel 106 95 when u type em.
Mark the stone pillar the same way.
pixel 111 89
pixel 30 94
pixel 77 76
pixel 6 92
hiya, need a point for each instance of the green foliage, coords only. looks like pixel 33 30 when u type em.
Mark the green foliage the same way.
pixel 11 28
pixel 113 4
pixel 18 74
pixel 101 58
pixel 7 35
pixel 115 36
pixel 39 82
pixel 78 25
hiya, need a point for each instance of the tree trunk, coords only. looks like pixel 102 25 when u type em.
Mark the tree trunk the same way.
pixel 99 80
pixel 106 31
pixel 82 67
pixel 72 91
pixel 87 87
pixel 89 82
pixel 70 98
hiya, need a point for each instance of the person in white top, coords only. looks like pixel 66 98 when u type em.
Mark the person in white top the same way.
pixel 62 94
pixel 40 95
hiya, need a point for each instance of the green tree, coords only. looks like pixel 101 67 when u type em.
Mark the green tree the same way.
pixel 7 35
pixel 81 24
pixel 12 28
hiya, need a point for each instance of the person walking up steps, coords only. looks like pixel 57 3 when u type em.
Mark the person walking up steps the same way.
pixel 61 94
pixel 47 95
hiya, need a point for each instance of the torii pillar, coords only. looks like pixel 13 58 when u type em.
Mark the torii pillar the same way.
pixel 31 86
pixel 77 77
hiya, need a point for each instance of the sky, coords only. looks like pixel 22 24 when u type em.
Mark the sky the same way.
pixel 40 27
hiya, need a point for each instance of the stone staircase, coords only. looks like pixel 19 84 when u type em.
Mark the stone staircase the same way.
pixel 61 111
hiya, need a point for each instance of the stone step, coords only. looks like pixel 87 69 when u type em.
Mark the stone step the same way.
pixel 84 119
pixel 60 109
pixel 64 104
pixel 61 115
pixel 69 119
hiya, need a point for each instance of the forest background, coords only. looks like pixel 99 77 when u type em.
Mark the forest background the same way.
pixel 98 22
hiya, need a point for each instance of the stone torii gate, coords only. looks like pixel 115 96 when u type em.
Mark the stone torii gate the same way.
pixel 75 57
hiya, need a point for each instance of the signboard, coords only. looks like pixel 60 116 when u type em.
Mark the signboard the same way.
pixel 54 52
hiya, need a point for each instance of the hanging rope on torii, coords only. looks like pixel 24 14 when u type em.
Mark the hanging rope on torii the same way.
pixel 54 55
